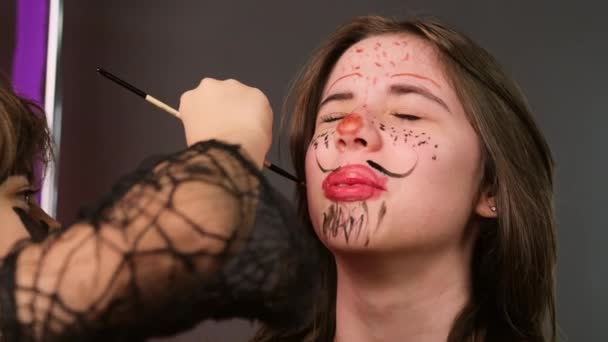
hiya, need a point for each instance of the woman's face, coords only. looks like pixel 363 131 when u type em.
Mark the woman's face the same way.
pixel 394 164
pixel 20 217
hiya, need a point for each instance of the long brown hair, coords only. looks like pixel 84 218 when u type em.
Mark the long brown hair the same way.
pixel 24 135
pixel 514 255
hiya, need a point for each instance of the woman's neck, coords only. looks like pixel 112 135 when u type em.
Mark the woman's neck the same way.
pixel 405 298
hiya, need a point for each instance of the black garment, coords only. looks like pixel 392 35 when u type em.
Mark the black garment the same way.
pixel 197 235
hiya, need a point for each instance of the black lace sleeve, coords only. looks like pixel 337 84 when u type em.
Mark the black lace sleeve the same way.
pixel 197 235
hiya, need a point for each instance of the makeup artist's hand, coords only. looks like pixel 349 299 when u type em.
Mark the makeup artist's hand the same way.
pixel 228 111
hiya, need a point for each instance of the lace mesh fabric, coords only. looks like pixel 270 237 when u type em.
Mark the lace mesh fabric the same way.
pixel 195 236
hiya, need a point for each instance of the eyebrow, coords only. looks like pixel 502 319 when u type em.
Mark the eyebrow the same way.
pixel 337 97
pixel 358 74
pixel 418 77
pixel 397 89
pixel 403 89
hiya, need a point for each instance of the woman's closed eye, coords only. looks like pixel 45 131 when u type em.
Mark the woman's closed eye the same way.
pixel 26 196
pixel 408 117
pixel 331 117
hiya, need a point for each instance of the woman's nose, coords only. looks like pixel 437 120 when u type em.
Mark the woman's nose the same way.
pixel 355 132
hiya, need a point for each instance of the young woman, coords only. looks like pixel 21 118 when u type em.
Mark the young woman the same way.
pixel 196 235
pixel 24 141
pixel 430 187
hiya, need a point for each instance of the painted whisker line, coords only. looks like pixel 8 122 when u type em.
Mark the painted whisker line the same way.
pixel 385 171
pixel 156 102
pixel 323 169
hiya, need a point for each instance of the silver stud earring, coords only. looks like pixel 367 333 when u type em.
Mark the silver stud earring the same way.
pixel 493 208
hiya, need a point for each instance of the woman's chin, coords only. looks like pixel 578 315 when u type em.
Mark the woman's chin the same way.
pixel 342 244
pixel 351 225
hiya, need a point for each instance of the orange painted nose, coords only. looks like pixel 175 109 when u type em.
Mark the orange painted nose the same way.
pixel 351 124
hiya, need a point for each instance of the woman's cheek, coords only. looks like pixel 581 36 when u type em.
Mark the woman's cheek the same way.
pixel 13 229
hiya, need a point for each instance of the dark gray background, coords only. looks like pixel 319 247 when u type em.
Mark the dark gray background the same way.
pixel 555 51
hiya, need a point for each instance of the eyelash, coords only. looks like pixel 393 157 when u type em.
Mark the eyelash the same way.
pixel 332 117
pixel 27 194
pixel 408 117
pixel 338 116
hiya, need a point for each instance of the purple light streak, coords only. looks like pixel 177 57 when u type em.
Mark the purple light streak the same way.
pixel 29 58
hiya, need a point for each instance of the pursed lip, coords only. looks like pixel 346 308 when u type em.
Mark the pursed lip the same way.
pixel 353 183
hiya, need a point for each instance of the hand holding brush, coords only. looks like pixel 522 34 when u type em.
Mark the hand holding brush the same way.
pixel 225 110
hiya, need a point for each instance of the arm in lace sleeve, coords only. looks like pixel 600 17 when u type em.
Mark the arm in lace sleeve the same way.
pixel 198 235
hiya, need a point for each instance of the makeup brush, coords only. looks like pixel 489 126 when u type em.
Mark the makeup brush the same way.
pixel 175 113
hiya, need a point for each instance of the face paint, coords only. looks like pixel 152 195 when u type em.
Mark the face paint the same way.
pixel 385 110
pixel 353 183
pixel 351 124
pixel 351 220
pixel 389 173
pixel 348 221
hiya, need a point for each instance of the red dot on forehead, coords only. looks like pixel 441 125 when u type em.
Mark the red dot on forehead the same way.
pixel 351 124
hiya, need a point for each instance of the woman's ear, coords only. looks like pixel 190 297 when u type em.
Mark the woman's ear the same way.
pixel 486 204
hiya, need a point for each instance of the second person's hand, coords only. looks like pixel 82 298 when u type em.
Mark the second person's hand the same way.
pixel 228 111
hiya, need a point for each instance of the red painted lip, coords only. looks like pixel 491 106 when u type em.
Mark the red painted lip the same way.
pixel 353 183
